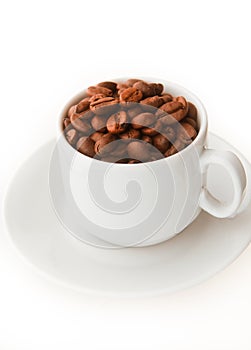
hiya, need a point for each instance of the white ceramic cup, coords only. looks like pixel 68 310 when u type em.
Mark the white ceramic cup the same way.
pixel 146 203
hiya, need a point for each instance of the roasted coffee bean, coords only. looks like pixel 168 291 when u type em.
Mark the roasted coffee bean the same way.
pixel 130 134
pixel 98 122
pixel 191 122
pixel 71 110
pixel 97 97
pixel 175 110
pixel 103 105
pixel 117 123
pixel 147 139
pixel 176 147
pixel 83 105
pixel 105 144
pixel 192 111
pixel 186 133
pixel 158 88
pixel 85 145
pixel 109 85
pixel 155 101
pixel 132 111
pixel 159 126
pixel 183 101
pixel 96 136
pixel 166 130
pixel 120 149
pixel 131 94
pixel 147 89
pixel 171 107
pixel 169 133
pixel 166 98
pixel 143 119
pixel 161 143
pixel 66 123
pixel 71 136
pixel 149 131
pixel 121 87
pixel 138 150
pixel 94 90
pixel 79 122
pixel 131 82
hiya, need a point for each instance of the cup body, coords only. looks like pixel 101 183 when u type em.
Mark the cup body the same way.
pixel 134 205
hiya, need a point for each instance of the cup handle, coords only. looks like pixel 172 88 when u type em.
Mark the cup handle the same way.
pixel 234 167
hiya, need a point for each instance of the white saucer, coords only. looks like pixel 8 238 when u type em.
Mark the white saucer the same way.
pixel 203 249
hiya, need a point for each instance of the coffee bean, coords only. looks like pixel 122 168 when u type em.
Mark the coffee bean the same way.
pixel 149 131
pixel 103 105
pixel 71 110
pixel 120 150
pixel 83 105
pixel 80 123
pixel 131 94
pixel 183 101
pixel 186 133
pixel 176 147
pixel 161 143
pixel 159 126
pixel 175 110
pixel 94 90
pixel 143 119
pixel 147 89
pixel 131 82
pixel 147 139
pixel 121 87
pixel 171 107
pixel 66 123
pixel 110 85
pixel 192 111
pixel 138 150
pixel 85 145
pixel 117 123
pixel 96 136
pixel 191 122
pixel 97 97
pixel 166 98
pixel 71 136
pixel 169 133
pixel 130 134
pixel 133 110
pixel 98 122
pixel 157 88
pixel 105 144
pixel 155 101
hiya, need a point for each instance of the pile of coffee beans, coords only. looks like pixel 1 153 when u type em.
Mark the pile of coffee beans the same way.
pixel 130 122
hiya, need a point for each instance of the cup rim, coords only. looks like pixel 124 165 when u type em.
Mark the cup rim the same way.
pixel 203 119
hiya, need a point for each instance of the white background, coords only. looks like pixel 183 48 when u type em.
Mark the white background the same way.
pixel 49 51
